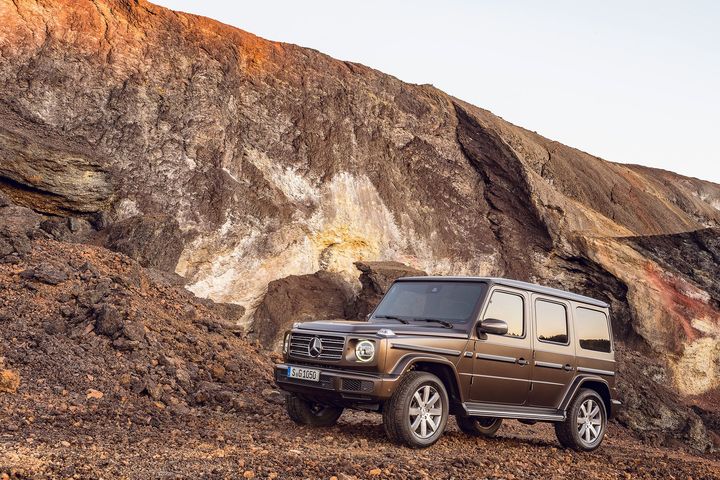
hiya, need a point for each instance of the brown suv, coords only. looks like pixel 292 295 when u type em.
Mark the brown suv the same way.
pixel 482 349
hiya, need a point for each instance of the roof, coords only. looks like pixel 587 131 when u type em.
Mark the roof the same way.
pixel 531 287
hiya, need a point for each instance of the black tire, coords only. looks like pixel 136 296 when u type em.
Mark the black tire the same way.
pixel 479 426
pixel 575 432
pixel 397 412
pixel 314 414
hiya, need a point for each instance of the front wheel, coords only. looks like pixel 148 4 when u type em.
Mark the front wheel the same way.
pixel 417 412
pixel 479 426
pixel 314 414
pixel 584 427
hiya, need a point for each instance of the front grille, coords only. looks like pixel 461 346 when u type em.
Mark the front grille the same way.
pixel 325 382
pixel 355 385
pixel 332 346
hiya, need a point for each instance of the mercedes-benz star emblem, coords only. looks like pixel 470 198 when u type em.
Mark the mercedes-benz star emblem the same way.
pixel 315 347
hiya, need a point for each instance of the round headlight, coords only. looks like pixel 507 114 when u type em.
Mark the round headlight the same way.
pixel 365 350
pixel 286 343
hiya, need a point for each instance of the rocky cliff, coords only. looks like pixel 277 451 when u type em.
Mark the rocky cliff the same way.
pixel 233 161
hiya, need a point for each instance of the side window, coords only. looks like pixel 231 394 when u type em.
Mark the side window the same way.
pixel 551 320
pixel 592 330
pixel 510 308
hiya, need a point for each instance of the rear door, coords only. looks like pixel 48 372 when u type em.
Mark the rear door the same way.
pixel 554 351
pixel 502 363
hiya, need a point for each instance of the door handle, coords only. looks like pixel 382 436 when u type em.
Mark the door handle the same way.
pixel 567 367
pixel 522 361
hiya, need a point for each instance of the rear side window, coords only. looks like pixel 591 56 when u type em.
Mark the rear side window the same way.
pixel 592 330
pixel 551 320
pixel 511 309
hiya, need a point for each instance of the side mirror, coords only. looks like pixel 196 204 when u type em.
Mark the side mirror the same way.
pixel 492 325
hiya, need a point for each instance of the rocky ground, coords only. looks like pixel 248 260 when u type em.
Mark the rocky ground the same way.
pixel 215 444
pixel 111 370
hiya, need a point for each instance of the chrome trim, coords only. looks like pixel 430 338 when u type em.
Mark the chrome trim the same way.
pixel 523 413
pixel 469 354
pixel 526 380
pixel 332 346
pixel 495 358
pixel 415 348
pixel 549 383
pixel 558 366
pixel 596 371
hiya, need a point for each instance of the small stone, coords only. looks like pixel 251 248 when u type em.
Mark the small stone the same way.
pixel 94 394
pixel 55 326
pixel 134 331
pixel 154 390
pixel 375 472
pixel 9 381
pixel 125 380
pixel 108 321
pixel 45 274
pixel 248 474
pixel 217 371
pixel 273 396
pixel 65 443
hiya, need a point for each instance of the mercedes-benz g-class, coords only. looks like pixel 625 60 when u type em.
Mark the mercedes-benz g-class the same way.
pixel 481 349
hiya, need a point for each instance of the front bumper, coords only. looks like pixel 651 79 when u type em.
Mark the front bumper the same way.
pixel 338 384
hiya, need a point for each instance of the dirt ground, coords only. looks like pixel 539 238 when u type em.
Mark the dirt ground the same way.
pixel 123 375
pixel 268 445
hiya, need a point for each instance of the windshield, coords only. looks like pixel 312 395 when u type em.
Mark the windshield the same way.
pixel 452 302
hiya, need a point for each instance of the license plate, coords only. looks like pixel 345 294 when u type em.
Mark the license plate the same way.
pixel 304 374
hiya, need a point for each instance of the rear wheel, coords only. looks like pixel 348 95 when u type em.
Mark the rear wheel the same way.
pixel 304 412
pixel 416 414
pixel 479 426
pixel 584 427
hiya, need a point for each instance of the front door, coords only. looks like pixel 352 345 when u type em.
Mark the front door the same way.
pixel 502 364
pixel 554 362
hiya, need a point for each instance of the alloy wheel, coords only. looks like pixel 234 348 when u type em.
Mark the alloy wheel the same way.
pixel 425 411
pixel 589 421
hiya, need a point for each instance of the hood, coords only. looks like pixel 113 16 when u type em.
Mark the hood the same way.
pixel 366 328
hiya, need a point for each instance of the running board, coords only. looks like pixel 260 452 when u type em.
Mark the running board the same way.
pixel 518 412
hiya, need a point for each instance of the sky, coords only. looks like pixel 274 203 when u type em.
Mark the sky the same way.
pixel 632 82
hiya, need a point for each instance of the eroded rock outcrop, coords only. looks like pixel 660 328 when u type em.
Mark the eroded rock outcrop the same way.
pixel 299 298
pixel 376 278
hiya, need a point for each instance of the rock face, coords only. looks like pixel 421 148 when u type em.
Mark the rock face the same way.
pixel 269 160
pixel 299 298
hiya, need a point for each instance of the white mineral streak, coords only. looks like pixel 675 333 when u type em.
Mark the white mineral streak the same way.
pixel 350 223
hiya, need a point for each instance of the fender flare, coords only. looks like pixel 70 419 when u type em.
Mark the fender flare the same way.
pixel 410 359
pixel 575 386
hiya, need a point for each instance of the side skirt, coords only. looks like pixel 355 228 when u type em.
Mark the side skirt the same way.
pixel 519 412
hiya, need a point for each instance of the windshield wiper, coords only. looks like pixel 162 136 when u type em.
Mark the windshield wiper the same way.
pixel 434 320
pixel 391 317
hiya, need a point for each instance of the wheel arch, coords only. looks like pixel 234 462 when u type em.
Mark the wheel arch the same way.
pixel 597 384
pixel 441 368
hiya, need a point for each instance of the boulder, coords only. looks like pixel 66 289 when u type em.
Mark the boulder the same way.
pixel 48 274
pixel 155 241
pixel 108 321
pixel 376 278
pixel 299 298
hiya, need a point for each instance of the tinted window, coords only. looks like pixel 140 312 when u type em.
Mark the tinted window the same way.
pixel 592 330
pixel 551 320
pixel 510 308
pixel 450 301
